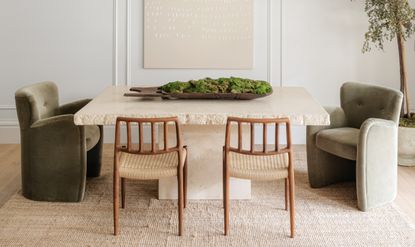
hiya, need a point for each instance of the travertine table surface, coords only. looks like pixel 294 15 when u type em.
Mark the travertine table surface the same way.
pixel 293 102
pixel 203 128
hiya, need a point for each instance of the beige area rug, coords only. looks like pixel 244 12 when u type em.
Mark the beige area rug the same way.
pixel 325 217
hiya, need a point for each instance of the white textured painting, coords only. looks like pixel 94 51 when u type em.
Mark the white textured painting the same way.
pixel 206 34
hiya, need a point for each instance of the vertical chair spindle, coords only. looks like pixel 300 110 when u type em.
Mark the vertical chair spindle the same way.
pixel 277 137
pixel 128 136
pixel 140 137
pixel 153 137
pixel 239 136
pixel 252 137
pixel 178 134
pixel 288 129
pixel 265 137
pixel 165 136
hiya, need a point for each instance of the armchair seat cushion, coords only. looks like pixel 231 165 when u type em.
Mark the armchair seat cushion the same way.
pixel 92 136
pixel 341 142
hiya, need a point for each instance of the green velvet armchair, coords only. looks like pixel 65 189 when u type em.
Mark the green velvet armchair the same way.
pixel 360 144
pixel 56 155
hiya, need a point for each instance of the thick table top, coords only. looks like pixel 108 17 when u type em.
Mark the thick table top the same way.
pixel 292 102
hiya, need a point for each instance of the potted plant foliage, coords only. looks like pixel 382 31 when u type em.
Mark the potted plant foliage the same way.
pixel 390 19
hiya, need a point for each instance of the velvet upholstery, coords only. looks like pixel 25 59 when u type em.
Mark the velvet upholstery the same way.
pixel 339 141
pixel 360 144
pixel 360 102
pixel 92 136
pixel 54 158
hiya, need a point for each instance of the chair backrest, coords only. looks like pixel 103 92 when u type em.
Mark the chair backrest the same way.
pixel 139 125
pixel 362 101
pixel 36 102
pixel 265 123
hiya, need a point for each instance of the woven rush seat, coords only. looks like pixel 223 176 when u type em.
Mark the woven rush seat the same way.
pixel 148 167
pixel 258 167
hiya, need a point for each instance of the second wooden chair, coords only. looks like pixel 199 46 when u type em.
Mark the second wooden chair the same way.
pixel 258 165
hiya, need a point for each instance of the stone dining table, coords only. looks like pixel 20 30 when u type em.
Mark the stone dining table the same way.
pixel 203 127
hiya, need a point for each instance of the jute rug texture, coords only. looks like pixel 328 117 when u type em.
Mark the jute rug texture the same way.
pixel 324 217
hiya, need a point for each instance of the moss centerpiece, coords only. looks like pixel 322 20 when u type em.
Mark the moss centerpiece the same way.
pixel 222 85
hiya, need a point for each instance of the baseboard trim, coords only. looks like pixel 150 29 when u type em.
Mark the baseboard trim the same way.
pixel 9 123
pixel 9 133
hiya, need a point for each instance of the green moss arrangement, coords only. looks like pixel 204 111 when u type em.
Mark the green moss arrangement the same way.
pixel 221 85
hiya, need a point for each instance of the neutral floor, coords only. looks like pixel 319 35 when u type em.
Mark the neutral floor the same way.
pixel 10 178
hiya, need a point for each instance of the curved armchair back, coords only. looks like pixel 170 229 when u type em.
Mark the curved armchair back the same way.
pixel 362 101
pixel 35 102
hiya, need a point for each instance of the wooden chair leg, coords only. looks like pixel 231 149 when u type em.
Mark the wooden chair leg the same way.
pixel 185 180
pixel 224 179
pixel 226 200
pixel 123 193
pixel 292 208
pixel 116 202
pixel 180 201
pixel 286 194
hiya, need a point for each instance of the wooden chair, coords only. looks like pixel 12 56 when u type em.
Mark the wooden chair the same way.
pixel 135 161
pixel 258 165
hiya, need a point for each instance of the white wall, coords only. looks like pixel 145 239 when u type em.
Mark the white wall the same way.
pixel 71 42
pixel 321 49
pixel 66 41
pixel 142 76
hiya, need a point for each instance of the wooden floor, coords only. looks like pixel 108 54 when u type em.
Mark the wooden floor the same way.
pixel 9 171
pixel 10 179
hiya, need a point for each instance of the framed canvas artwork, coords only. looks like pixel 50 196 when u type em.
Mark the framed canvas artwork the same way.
pixel 198 34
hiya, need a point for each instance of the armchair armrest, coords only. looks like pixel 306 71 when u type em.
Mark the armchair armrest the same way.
pixel 73 107
pixel 59 120
pixel 377 154
pixel 58 130
pixel 58 150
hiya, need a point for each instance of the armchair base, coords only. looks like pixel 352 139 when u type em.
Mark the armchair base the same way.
pixel 94 158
